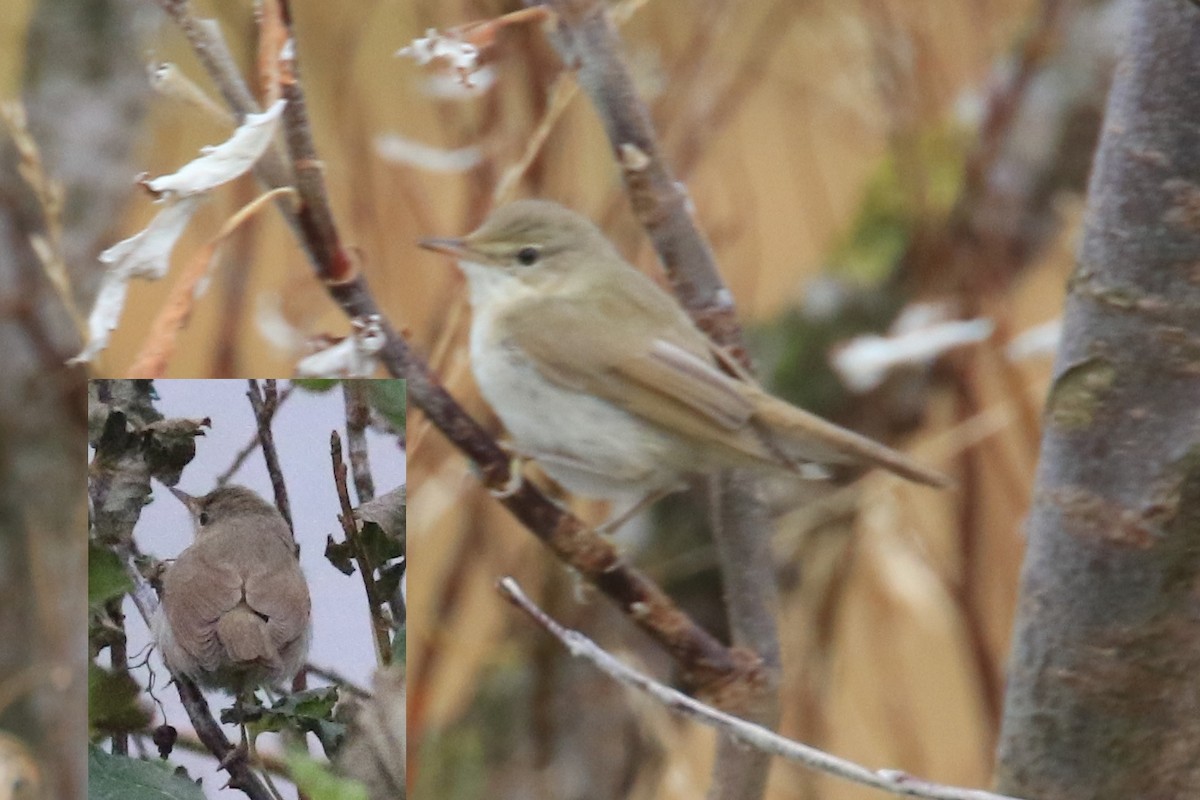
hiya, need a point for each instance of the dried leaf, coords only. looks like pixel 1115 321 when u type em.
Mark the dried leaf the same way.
pixel 147 255
pixel 224 162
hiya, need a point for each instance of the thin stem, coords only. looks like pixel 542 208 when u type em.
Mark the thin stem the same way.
pixel 379 623
pixel 747 733
pixel 358 414
pixel 250 446
pixel 265 400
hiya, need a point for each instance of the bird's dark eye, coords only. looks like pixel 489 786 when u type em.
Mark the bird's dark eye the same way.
pixel 528 254
pixel 203 517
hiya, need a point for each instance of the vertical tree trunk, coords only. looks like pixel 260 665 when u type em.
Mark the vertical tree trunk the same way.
pixel 1104 681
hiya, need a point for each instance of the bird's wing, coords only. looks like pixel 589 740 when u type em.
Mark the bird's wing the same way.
pixel 676 379
pixel 670 379
pixel 275 586
pixel 196 592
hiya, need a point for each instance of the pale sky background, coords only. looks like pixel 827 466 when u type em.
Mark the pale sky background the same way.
pixel 341 626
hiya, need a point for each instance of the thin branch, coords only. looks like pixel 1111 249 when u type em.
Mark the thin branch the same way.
pixel 265 402
pixel 379 623
pixel 119 653
pixel 749 734
pixel 251 445
pixel 209 46
pixel 338 679
pixel 587 41
pixel 315 213
pixel 358 414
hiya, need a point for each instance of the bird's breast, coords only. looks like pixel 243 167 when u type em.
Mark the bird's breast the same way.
pixel 587 444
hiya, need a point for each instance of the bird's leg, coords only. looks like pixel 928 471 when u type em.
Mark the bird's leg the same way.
pixel 248 746
pixel 614 523
pixel 242 748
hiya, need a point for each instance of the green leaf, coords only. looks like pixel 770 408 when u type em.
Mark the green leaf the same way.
pixel 112 777
pixel 319 783
pixel 390 399
pixel 113 705
pixel 309 711
pixel 106 577
pixel 380 548
pixel 387 511
pixel 340 554
pixel 316 385
pixel 389 579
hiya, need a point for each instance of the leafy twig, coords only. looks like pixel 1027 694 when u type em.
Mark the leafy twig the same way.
pixel 379 623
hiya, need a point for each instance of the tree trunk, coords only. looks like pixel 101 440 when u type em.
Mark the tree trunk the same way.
pixel 1104 680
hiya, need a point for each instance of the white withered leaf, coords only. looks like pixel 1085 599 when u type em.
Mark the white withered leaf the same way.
pixel 146 255
pixel 222 163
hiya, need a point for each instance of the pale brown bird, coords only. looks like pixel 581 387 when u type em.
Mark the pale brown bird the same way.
pixel 603 378
pixel 235 609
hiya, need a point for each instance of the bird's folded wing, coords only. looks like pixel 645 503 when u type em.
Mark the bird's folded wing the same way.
pixel 279 592
pixel 197 591
pixel 673 383
pixel 675 380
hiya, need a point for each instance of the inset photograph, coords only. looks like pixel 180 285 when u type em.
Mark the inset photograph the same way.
pixel 246 588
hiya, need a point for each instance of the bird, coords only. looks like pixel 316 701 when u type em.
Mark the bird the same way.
pixel 599 375
pixel 235 610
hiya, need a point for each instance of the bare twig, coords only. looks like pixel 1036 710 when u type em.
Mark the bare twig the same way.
pixel 251 445
pixel 358 414
pixel 209 46
pixel 338 679
pixel 379 623
pixel 119 653
pixel 587 41
pixel 749 734
pixel 265 402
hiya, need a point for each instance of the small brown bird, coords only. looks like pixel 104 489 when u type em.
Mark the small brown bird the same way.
pixel 603 378
pixel 235 609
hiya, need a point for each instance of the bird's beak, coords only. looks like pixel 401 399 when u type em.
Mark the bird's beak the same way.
pixel 183 497
pixel 458 248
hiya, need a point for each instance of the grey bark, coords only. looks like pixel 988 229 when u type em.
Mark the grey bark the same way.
pixel 1104 679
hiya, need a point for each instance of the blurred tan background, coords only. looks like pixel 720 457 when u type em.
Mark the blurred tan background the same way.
pixel 816 138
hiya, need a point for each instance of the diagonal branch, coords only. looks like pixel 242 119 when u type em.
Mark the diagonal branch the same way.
pixel 706 664
pixel 748 734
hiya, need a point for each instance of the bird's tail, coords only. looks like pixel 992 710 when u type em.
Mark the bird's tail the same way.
pixel 806 438
pixel 246 639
